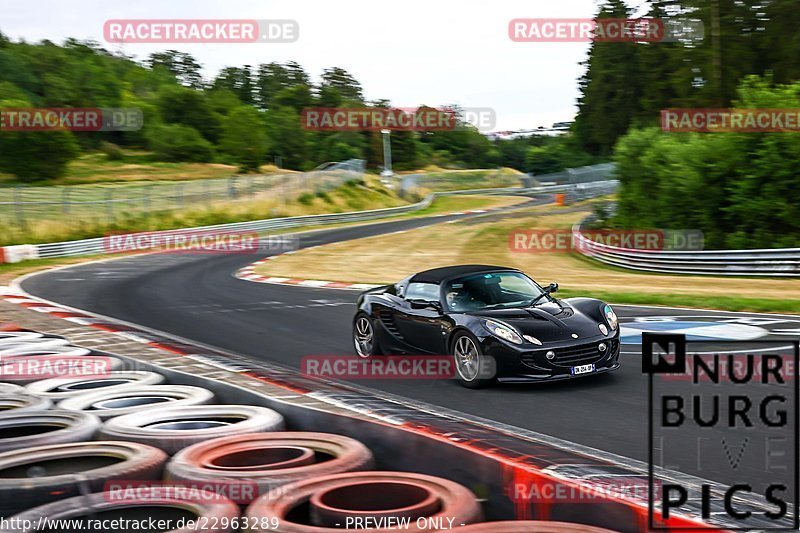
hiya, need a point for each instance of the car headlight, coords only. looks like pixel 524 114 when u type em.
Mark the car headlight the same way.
pixel 533 340
pixel 503 331
pixel 603 329
pixel 611 316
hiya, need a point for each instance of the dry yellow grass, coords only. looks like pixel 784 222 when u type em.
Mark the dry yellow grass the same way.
pixel 385 259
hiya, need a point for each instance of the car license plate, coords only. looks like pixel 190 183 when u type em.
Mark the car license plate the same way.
pixel 582 369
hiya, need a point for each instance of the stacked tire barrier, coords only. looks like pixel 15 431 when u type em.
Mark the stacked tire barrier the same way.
pixel 126 449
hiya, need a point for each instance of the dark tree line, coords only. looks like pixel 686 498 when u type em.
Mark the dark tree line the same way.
pixel 739 188
pixel 627 84
pixel 246 115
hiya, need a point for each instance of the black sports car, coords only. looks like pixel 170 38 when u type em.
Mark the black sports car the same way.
pixel 497 324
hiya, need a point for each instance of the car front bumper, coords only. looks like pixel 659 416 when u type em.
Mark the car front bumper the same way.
pixel 523 364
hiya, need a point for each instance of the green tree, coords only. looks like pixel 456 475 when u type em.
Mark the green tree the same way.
pixel 287 138
pixel 183 66
pixel 609 89
pixel 176 142
pixel 345 84
pixel 181 105
pixel 244 138
pixel 238 80
pixel 272 78
pixel 297 97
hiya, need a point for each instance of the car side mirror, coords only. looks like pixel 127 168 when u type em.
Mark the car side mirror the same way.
pixel 553 287
pixel 425 304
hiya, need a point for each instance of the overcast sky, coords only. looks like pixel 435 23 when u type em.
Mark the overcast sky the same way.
pixel 411 52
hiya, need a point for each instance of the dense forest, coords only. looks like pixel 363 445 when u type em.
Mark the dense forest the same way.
pixel 739 188
pixel 245 115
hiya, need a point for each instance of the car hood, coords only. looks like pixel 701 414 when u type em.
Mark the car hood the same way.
pixel 549 322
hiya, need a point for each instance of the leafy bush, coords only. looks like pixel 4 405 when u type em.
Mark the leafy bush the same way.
pixel 174 142
pixel 36 155
pixel 738 188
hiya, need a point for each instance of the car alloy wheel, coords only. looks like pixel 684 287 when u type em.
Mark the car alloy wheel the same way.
pixel 467 358
pixel 363 336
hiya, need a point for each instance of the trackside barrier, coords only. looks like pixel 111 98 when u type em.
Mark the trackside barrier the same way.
pixel 99 245
pixel 17 253
pixel 779 262
pixel 407 439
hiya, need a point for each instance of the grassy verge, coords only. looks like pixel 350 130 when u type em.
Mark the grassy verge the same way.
pixel 725 303
pixel 453 180
pixel 385 259
pixel 137 166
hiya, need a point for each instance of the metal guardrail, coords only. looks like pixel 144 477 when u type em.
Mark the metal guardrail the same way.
pixel 99 245
pixel 778 262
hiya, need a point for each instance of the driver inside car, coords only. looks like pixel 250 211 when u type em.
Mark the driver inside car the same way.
pixel 467 296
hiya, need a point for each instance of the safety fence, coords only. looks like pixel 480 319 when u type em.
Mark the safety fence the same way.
pixel 109 203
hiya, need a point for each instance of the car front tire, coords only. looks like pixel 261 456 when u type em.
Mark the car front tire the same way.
pixel 472 371
pixel 365 340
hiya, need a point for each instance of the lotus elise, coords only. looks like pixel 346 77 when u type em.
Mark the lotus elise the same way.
pixel 497 324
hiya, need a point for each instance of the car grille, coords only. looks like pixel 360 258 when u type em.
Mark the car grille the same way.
pixel 571 355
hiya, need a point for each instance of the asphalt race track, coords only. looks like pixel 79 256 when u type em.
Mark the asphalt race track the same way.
pixel 196 297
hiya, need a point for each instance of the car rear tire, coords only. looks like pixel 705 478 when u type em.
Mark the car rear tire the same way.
pixel 364 339
pixel 469 361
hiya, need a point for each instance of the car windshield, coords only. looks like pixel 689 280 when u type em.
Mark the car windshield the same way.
pixel 493 290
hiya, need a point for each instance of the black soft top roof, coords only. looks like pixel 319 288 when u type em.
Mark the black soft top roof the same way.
pixel 437 275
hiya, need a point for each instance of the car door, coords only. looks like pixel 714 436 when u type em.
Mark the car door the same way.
pixel 422 327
